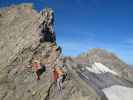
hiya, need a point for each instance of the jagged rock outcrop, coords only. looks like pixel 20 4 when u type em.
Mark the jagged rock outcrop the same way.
pixel 19 44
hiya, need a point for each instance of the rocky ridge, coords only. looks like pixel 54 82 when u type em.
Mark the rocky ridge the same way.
pixel 27 35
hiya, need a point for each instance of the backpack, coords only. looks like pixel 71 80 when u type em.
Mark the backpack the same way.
pixel 55 75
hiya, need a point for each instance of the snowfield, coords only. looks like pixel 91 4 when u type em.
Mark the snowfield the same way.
pixel 118 92
pixel 99 68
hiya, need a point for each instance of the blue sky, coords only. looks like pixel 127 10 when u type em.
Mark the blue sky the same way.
pixel 84 24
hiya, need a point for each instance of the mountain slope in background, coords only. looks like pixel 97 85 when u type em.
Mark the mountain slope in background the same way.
pixel 106 73
pixel 109 59
pixel 26 34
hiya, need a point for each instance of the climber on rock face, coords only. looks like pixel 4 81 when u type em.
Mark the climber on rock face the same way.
pixel 55 75
pixel 39 68
pixel 60 78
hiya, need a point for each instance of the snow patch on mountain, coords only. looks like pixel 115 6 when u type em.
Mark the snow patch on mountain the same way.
pixel 118 92
pixel 99 68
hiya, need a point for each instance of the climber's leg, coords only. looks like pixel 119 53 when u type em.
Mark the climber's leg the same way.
pixel 59 84
pixel 37 75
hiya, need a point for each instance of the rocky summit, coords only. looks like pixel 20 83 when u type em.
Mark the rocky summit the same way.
pixel 27 35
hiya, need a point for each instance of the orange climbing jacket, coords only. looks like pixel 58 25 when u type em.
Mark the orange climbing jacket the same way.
pixel 55 75
pixel 59 71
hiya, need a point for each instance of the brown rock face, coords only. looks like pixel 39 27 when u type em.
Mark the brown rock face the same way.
pixel 20 29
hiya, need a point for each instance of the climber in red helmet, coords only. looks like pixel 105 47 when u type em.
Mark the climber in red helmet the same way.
pixel 37 68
